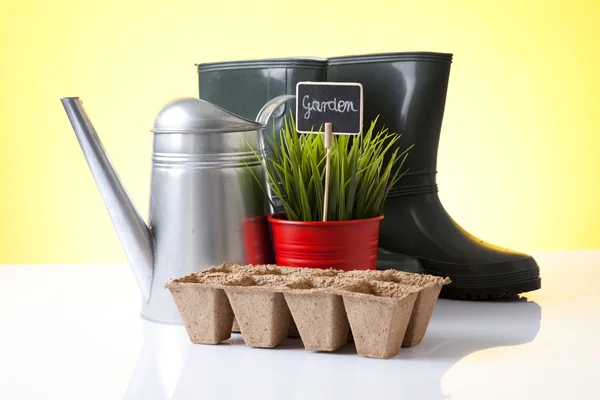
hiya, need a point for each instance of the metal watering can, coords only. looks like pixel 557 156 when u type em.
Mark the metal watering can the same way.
pixel 206 205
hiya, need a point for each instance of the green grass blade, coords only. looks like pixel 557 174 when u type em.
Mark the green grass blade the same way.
pixel 363 171
pixel 352 186
pixel 306 213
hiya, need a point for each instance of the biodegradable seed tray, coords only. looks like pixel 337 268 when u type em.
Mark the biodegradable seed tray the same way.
pixel 380 310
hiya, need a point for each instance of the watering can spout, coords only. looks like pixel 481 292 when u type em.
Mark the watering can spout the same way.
pixel 134 234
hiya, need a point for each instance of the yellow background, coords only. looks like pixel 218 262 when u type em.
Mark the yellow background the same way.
pixel 518 159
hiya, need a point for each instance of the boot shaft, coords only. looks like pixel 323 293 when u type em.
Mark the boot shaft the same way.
pixel 243 87
pixel 408 92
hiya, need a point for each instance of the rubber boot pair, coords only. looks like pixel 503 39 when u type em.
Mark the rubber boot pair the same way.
pixel 243 87
pixel 408 92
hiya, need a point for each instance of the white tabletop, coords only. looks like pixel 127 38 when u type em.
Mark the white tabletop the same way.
pixel 74 332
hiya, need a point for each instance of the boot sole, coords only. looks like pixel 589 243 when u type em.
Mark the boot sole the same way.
pixel 493 293
pixel 504 280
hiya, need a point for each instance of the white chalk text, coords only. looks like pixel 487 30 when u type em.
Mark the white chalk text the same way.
pixel 340 106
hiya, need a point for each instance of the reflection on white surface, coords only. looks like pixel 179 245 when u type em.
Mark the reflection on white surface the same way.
pixel 170 368
pixel 159 367
pixel 72 332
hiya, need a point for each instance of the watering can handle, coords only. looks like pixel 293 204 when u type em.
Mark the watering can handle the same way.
pixel 271 106
pixel 263 117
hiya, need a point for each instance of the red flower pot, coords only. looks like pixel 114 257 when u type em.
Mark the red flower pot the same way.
pixel 346 245
pixel 257 241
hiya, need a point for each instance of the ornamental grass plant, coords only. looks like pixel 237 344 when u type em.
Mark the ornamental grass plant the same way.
pixel 363 170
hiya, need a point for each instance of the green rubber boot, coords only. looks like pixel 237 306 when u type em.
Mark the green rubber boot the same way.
pixel 408 91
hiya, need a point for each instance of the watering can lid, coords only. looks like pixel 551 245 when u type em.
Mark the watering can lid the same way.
pixel 192 115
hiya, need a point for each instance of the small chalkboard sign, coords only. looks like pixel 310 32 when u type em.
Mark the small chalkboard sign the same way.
pixel 338 103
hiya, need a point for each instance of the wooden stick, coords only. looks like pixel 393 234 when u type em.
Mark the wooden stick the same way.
pixel 328 143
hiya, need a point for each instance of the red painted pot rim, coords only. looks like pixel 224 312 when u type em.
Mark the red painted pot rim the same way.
pixel 274 220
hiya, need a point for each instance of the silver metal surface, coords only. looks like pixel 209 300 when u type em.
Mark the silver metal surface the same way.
pixel 189 114
pixel 203 194
pixel 206 206
pixel 129 224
